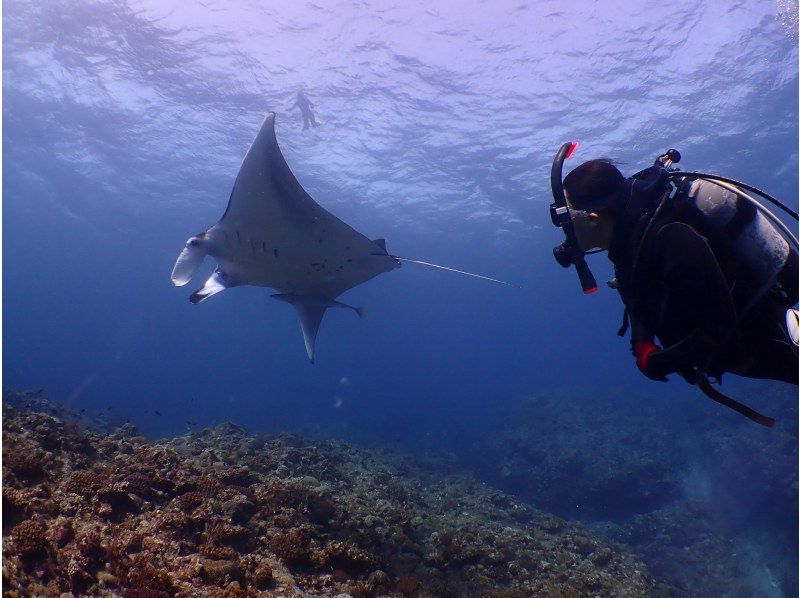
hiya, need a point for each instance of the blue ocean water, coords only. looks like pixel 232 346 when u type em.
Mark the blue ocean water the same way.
pixel 124 124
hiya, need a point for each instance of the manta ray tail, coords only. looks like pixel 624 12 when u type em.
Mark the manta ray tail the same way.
pixel 405 259
pixel 310 319
pixel 215 283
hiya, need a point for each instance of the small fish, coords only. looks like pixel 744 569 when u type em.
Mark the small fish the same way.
pixel 158 413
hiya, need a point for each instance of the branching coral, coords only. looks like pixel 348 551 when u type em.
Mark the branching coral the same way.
pixel 30 539
pixel 85 483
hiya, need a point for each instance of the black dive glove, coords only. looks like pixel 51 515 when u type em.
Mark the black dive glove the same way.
pixel 685 355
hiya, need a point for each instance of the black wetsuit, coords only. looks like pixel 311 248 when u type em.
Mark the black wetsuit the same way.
pixel 680 281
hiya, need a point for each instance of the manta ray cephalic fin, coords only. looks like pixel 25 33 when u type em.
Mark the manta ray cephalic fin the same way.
pixel 188 261
pixel 215 283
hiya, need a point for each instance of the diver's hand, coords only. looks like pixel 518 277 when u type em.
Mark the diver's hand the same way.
pixel 643 350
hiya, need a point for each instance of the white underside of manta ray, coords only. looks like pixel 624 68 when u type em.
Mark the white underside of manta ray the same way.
pixel 273 234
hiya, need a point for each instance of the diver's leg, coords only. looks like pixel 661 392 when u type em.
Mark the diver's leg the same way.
pixel 775 360
pixel 773 355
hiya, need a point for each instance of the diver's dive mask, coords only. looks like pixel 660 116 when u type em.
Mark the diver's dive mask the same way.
pixel 569 252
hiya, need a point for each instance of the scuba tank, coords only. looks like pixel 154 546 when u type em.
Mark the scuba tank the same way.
pixel 758 245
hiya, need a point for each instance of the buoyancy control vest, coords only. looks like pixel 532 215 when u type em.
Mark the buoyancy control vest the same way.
pixel 645 207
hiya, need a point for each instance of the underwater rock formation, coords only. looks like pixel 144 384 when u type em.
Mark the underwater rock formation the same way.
pixel 223 513
pixel 704 497
pixel 580 459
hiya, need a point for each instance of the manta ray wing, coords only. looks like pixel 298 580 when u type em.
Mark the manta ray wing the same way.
pixel 274 234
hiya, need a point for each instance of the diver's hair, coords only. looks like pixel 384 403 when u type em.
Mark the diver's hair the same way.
pixel 595 185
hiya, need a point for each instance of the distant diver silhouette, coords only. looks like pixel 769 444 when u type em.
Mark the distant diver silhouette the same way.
pixel 305 106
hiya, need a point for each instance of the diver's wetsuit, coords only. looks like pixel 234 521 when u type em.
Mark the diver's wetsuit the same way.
pixel 680 281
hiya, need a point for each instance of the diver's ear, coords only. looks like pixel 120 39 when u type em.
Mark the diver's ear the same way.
pixel 594 219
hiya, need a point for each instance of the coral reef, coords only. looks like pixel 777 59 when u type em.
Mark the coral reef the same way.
pixel 704 497
pixel 222 513
pixel 581 459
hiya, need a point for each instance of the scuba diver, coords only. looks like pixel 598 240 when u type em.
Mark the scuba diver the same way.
pixel 305 106
pixel 702 267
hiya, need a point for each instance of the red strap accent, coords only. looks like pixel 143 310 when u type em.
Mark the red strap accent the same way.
pixel 643 350
pixel 571 149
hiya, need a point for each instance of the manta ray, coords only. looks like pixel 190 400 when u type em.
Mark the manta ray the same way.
pixel 273 234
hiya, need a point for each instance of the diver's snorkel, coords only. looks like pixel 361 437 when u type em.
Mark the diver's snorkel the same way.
pixel 569 252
